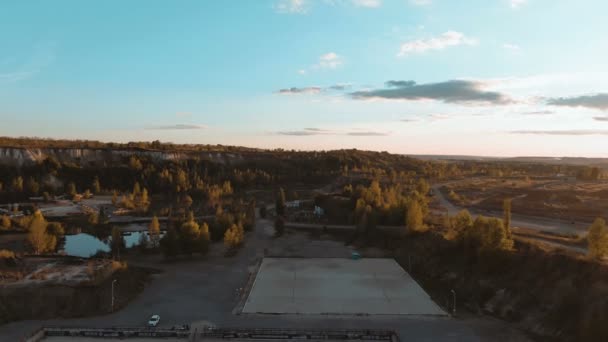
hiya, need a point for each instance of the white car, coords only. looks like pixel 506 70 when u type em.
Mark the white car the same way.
pixel 153 322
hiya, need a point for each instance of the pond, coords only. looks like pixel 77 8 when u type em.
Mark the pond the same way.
pixel 86 245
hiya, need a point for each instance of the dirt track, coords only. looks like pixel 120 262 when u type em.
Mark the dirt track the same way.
pixel 536 223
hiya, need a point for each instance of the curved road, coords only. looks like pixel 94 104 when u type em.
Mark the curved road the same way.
pixel 522 221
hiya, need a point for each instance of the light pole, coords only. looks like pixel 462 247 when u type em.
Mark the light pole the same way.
pixel 113 282
pixel 454 308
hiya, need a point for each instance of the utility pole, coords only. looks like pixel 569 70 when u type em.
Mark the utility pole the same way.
pixel 454 308
pixel 113 282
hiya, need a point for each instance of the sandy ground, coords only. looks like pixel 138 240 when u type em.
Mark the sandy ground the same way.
pixel 536 223
pixel 58 272
pixel 338 286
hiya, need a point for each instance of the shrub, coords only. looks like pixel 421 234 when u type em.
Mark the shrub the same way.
pixel 597 238
pixel 6 254
pixel 234 236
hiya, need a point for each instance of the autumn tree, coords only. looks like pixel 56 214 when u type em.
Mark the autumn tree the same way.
pixel 280 203
pixel 487 234
pixel 188 235
pixel 506 207
pixel 204 239
pixel 422 186
pixel 597 239
pixel 95 185
pixel 55 228
pixel 5 222
pixel 136 189
pixel 234 236
pixel 17 184
pixel 71 189
pixel 460 223
pixel 32 186
pixel 154 231
pixel 38 237
pixel 414 218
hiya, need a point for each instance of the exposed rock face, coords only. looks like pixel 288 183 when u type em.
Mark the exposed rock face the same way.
pixel 24 156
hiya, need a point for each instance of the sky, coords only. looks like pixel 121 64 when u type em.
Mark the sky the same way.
pixel 478 77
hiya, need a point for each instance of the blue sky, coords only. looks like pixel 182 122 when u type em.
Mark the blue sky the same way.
pixel 492 77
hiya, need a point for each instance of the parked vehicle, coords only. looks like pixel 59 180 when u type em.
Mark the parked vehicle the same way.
pixel 153 322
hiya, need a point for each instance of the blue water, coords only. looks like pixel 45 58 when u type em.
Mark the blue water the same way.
pixel 85 245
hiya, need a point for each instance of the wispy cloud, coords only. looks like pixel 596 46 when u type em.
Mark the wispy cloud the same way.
pixel 326 61
pixel 573 132
pixel 539 112
pixel 311 131
pixel 420 2
pixel 515 4
pixel 315 89
pixel 597 101
pixel 454 91
pixel 178 127
pixel 513 48
pixel 367 134
pixel 340 86
pixel 438 117
pixel 295 90
pixel 367 3
pixel 291 6
pixel 330 60
pixel 42 56
pixel 445 40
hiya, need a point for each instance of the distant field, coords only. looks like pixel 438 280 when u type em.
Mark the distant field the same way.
pixel 580 201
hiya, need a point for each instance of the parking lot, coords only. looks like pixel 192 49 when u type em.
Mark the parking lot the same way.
pixel 337 286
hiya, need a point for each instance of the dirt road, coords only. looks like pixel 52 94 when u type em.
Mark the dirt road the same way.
pixel 523 221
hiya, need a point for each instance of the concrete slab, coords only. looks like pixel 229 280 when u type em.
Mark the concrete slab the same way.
pixel 337 286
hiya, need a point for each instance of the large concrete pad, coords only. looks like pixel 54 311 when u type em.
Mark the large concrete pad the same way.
pixel 337 286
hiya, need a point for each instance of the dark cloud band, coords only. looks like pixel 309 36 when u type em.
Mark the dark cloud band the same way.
pixel 597 101
pixel 454 91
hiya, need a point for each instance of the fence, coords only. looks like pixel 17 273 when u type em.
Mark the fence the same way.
pixel 297 334
pixel 113 332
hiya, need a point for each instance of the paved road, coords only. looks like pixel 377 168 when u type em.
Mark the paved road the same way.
pixel 202 291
